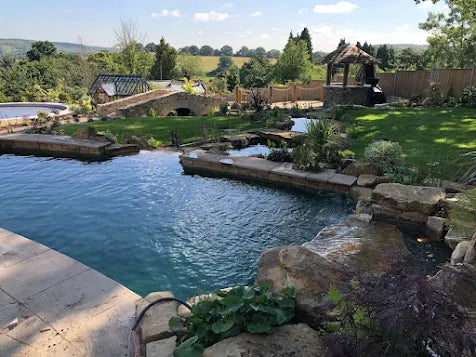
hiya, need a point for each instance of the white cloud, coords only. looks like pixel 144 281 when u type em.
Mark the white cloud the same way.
pixel 337 8
pixel 256 13
pixel 274 29
pixel 329 35
pixel 167 13
pixel 265 36
pixel 425 4
pixel 211 16
pixel 302 11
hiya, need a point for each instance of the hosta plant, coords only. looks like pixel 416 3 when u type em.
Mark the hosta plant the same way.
pixel 253 309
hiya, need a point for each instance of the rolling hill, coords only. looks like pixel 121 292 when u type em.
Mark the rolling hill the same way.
pixel 19 47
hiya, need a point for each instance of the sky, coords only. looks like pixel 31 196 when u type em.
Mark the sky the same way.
pixel 251 23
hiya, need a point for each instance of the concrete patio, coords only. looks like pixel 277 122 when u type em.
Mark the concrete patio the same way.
pixel 63 307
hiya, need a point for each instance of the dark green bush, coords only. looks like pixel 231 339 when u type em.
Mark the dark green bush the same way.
pixel 468 97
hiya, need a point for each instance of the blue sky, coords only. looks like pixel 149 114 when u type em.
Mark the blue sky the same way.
pixel 264 23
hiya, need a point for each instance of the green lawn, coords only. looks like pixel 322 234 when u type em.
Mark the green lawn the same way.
pixel 189 129
pixel 426 135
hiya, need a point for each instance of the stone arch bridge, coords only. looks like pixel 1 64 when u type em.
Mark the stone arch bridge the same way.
pixel 163 103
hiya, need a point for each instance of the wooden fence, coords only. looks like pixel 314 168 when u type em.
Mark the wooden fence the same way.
pixel 404 84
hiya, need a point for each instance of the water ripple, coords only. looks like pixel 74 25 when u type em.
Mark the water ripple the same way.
pixel 140 221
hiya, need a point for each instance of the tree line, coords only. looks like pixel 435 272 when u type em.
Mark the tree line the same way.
pixel 226 50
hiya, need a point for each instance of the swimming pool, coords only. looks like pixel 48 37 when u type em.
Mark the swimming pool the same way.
pixel 26 110
pixel 138 220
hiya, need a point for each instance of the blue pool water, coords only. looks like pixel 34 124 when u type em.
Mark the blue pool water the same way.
pixel 141 222
pixel 23 111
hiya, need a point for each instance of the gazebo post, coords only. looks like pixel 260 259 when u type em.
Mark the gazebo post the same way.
pixel 364 74
pixel 346 75
pixel 329 73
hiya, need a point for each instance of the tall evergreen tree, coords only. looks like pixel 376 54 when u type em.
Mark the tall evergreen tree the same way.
pixel 165 60
pixel 306 37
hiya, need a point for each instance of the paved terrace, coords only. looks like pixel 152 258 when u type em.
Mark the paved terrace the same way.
pixel 63 307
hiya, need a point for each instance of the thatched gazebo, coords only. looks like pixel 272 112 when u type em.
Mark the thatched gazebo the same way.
pixel 349 94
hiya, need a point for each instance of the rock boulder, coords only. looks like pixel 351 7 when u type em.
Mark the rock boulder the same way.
pixel 358 168
pixel 337 252
pixel 420 199
pixel 285 341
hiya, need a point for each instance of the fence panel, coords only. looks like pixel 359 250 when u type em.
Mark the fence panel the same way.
pixel 281 94
pixel 410 83
pixel 454 80
pixel 386 83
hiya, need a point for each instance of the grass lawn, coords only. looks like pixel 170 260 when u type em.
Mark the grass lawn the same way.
pixel 189 129
pixel 426 135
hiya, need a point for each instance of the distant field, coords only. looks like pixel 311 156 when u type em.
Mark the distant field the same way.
pixel 209 64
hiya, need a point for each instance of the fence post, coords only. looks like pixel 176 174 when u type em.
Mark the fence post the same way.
pixel 237 94
pixel 293 91
pixel 271 94
pixel 394 85
pixel 472 76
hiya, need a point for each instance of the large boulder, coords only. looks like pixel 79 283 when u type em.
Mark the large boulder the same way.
pixel 420 199
pixel 357 193
pixel 358 168
pixel 336 254
pixel 285 341
pixel 360 246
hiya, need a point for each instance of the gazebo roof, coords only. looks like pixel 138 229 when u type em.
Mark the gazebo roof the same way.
pixel 349 54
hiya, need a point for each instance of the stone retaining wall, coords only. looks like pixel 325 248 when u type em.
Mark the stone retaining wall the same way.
pixel 62 147
pixel 250 168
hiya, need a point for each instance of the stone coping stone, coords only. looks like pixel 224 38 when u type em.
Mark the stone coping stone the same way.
pixel 52 139
pixel 342 180
pixel 253 163
pixel 286 169
pixel 321 177
pixel 155 323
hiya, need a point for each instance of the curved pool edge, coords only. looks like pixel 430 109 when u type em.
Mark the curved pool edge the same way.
pixel 63 109
pixel 51 282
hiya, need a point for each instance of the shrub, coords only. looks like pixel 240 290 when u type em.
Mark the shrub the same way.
pixel 335 112
pixel 224 109
pixel 76 109
pixel 281 154
pixel 347 154
pixel 188 86
pixel 399 314
pixel 243 309
pixel 387 154
pixel 320 146
pixel 151 112
pixel 468 97
pixel 153 143
pixel 433 96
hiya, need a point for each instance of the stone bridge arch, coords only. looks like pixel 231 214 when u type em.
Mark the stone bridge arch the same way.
pixel 179 102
